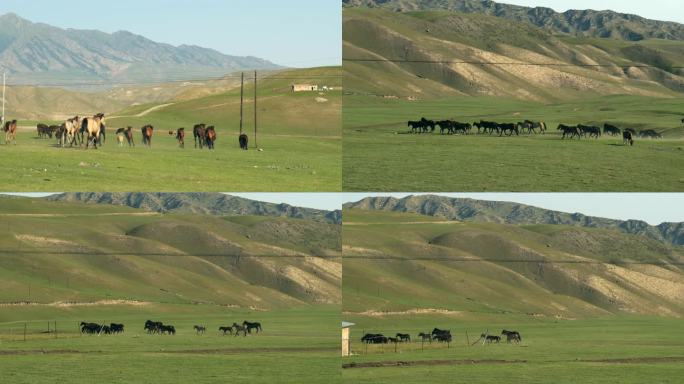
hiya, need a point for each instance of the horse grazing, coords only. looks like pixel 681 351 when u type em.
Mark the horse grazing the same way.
pixel 491 338
pixel 569 131
pixel 425 336
pixel 244 141
pixel 512 336
pixel 610 130
pixel 627 138
pixel 226 329
pixel 147 132
pixel 169 329
pixel 403 337
pixel 180 136
pixel 200 329
pixel 93 126
pixel 210 137
pixel 198 133
pixel 10 132
pixel 251 326
pixel 240 328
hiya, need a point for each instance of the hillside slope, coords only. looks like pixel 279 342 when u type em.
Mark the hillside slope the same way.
pixel 514 213
pixel 54 251
pixel 585 23
pixel 40 53
pixel 430 54
pixel 397 262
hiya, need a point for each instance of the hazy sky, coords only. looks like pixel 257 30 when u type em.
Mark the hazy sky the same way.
pixel 295 33
pixel 670 10
pixel 654 208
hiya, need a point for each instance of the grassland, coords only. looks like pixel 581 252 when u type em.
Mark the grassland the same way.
pixel 378 155
pixel 299 136
pixel 297 345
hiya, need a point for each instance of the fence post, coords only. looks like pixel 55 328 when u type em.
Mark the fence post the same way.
pixel 467 338
pixel 55 329
pixel 24 331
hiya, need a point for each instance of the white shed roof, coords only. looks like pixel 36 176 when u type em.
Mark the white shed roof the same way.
pixel 346 324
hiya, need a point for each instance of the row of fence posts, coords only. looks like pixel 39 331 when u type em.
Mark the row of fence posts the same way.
pixel 51 328
pixel 422 342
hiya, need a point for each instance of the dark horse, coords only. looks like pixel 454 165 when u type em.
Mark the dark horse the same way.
pixel 226 329
pixel 425 336
pixel 404 337
pixel 198 133
pixel 416 126
pixel 180 136
pixel 210 137
pixel 147 132
pixel 251 326
pixel 239 328
pixel 244 141
pixel 512 335
pixel 609 129
pixel 10 132
pixel 491 338
pixel 627 137
pixel 569 131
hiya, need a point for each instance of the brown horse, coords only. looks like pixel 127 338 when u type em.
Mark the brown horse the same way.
pixel 129 136
pixel 210 137
pixel 70 132
pixel 198 133
pixel 92 127
pixel 147 135
pixel 10 132
pixel 180 136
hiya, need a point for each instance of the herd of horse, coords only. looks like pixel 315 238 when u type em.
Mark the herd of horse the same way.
pixel 91 131
pixel 526 127
pixel 157 327
pixel 439 335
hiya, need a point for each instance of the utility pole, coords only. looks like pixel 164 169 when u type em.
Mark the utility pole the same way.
pixel 255 110
pixel 3 97
pixel 242 91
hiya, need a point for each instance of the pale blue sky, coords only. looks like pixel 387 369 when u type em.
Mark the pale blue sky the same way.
pixel 670 10
pixel 653 208
pixel 294 33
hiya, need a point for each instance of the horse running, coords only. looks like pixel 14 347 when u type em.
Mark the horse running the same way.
pixel 10 132
pixel 147 132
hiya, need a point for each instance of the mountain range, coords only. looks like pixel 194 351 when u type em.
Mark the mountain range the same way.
pixel 469 210
pixel 42 54
pixel 217 204
pixel 584 23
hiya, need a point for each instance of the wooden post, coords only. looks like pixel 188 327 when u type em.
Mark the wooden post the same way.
pixel 24 331
pixel 422 343
pixel 256 144
pixel 242 91
pixel 55 329
pixel 467 339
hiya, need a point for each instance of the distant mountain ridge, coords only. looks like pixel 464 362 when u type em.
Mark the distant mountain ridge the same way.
pixel 199 203
pixel 514 213
pixel 34 51
pixel 584 23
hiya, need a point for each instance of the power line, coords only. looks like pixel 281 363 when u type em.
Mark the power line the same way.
pixel 360 60
pixel 151 254
pixel 495 260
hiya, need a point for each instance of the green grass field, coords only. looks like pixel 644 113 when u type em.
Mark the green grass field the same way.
pixel 378 155
pixel 625 349
pixel 297 345
pixel 299 134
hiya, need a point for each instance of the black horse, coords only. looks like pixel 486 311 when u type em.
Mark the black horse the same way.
pixel 570 131
pixel 589 130
pixel 610 130
pixel 425 336
pixel 487 126
pixel 226 329
pixel 508 129
pixel 428 124
pixel 200 329
pixel 445 125
pixel 240 328
pixel 627 138
pixel 491 338
pixel 251 326
pixel 244 141
pixel 650 133
pixel 512 336
pixel 403 337
pixel 169 329
pixel 116 328
pixel 416 126
pixel 374 338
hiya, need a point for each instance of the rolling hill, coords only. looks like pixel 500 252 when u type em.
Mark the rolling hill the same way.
pixel 36 53
pixel 435 53
pixel 199 203
pixel 403 263
pixel 71 251
pixel 469 210
pixel 584 23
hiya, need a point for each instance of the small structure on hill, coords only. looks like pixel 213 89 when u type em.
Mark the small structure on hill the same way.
pixel 304 88
pixel 346 338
